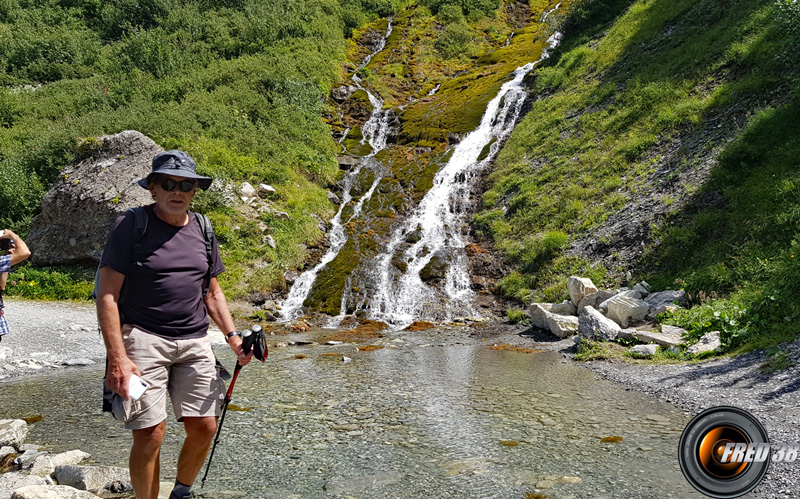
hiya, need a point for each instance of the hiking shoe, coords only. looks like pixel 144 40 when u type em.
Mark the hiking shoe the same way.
pixel 174 496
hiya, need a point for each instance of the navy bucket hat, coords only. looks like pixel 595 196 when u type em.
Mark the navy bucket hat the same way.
pixel 179 164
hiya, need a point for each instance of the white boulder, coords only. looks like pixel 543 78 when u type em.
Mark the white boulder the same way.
pixel 594 325
pixel 707 343
pixel 579 287
pixel 626 310
pixel 13 432
pixel 643 350
pixel 562 326
pixel 9 482
pixel 90 477
pixel 51 492
pixel 247 190
pixel 593 300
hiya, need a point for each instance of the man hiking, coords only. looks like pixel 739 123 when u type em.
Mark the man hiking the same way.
pixel 157 287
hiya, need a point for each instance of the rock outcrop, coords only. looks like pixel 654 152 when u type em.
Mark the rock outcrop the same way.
pixel 606 315
pixel 80 207
pixel 40 475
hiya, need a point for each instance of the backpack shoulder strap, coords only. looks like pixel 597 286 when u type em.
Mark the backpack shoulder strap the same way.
pixel 139 228
pixel 208 236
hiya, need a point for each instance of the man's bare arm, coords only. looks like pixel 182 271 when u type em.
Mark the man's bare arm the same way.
pixel 218 310
pixel 120 366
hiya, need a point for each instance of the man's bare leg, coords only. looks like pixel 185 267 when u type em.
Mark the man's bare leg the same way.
pixel 199 435
pixel 145 460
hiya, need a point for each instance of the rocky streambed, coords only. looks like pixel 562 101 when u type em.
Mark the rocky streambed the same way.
pixel 482 411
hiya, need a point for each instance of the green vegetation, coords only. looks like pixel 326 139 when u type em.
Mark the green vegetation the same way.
pixel 419 56
pixel 240 85
pixel 517 316
pixel 638 85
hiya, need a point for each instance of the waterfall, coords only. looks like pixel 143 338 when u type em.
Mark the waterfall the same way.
pixel 374 132
pixel 434 230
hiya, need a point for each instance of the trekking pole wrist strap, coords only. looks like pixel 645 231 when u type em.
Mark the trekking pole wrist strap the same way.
pixel 232 333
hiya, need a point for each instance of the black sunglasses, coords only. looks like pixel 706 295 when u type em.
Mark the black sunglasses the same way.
pixel 169 185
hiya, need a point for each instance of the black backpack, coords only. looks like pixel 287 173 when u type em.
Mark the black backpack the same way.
pixel 139 228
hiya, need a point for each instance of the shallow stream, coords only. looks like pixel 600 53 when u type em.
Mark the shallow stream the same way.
pixel 433 414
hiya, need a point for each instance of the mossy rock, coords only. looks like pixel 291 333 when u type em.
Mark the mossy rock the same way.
pixel 326 294
pixel 436 269
pixel 399 263
pixel 486 150
pixel 352 143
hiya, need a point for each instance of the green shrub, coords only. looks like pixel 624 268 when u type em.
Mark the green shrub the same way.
pixel 454 40
pixel 51 283
pixel 450 13
pixel 517 316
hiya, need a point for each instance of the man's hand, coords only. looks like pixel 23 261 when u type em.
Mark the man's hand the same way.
pixel 235 343
pixel 21 251
pixel 118 375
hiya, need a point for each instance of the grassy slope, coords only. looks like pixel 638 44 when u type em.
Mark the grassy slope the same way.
pixel 630 78
pixel 239 85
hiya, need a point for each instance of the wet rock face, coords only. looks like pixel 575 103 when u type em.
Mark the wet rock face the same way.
pixel 79 209
pixel 434 270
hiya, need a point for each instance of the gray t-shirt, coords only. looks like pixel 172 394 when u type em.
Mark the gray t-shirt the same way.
pixel 165 294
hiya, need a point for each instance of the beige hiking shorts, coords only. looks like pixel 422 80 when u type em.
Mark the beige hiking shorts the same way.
pixel 186 368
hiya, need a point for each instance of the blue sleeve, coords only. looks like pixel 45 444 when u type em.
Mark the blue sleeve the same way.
pixel 5 263
pixel 117 253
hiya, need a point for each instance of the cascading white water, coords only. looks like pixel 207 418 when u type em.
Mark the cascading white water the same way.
pixel 436 224
pixel 374 132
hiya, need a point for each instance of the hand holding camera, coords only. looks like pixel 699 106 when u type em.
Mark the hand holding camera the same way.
pixel 6 243
pixel 12 244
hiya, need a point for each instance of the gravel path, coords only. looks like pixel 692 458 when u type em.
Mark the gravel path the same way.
pixel 51 335
pixel 55 335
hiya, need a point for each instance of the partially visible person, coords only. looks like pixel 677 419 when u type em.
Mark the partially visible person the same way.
pixel 14 250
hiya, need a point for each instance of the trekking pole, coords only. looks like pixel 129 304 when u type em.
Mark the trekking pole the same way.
pixel 251 340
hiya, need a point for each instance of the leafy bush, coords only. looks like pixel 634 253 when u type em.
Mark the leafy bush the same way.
pixel 56 283
pixel 517 316
pixel 454 40
pixel 450 13
pixel 473 9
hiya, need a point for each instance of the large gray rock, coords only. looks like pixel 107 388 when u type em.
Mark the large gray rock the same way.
pixel 13 432
pixel 709 342
pixel 343 92
pixel 562 326
pixel 579 287
pixel 69 457
pixel 665 339
pixel 594 299
pixel 538 312
pixel 643 350
pixel 45 465
pixel 51 492
pixel 80 207
pixel 6 450
pixel 90 477
pixel 626 310
pixel 662 301
pixel 594 325
pixel 27 458
pixel 564 308
pixel 9 482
